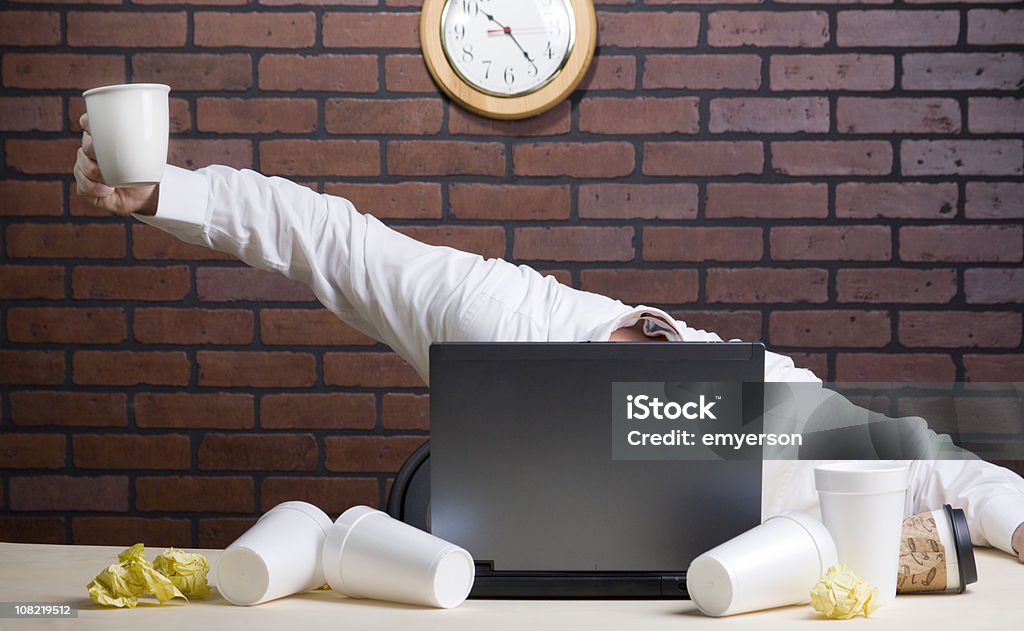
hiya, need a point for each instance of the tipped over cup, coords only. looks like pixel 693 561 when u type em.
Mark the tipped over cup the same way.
pixel 368 554
pixel 129 127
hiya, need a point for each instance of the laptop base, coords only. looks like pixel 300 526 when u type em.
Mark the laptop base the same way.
pixel 568 585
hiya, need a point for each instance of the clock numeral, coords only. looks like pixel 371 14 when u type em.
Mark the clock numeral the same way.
pixel 548 52
pixel 510 75
pixel 467 53
pixel 470 8
pixel 531 70
pixel 487 72
pixel 555 27
pixel 460 31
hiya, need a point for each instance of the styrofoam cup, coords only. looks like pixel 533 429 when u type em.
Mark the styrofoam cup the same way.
pixel 278 556
pixel 771 565
pixel 862 505
pixel 129 126
pixel 370 555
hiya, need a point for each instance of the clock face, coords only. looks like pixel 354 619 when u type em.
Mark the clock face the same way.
pixel 507 47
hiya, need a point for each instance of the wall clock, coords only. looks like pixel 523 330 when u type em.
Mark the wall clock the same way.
pixel 508 59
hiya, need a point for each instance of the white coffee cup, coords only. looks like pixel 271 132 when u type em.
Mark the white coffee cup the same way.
pixel 129 127
pixel 370 555
pixel 771 565
pixel 278 556
pixel 862 504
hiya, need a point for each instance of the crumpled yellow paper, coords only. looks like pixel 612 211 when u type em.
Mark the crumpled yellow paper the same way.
pixel 121 584
pixel 841 594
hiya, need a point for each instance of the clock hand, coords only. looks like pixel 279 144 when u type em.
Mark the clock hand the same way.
pixel 508 31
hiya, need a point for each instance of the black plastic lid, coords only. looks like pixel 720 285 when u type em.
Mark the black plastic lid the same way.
pixel 964 549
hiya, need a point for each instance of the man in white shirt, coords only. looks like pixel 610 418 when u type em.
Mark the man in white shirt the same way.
pixel 408 294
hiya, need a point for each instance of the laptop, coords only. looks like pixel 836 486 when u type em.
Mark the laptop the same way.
pixel 522 473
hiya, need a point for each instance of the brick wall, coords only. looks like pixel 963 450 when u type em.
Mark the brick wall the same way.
pixel 842 180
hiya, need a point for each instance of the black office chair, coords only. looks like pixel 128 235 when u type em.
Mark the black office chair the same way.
pixel 409 500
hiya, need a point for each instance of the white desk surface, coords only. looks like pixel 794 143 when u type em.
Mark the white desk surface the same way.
pixel 56 573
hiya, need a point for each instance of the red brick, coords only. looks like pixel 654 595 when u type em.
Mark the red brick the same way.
pixel 126 531
pixel 192 494
pixel 610 72
pixel 401 410
pixel 111 451
pixel 960 329
pixel 194 154
pixel 333 495
pixel 30 28
pixel 407 73
pixel 765 285
pixel 127 29
pixel 445 157
pixel 308 327
pixel 384 454
pixel 993 286
pixel 334 411
pixel 803 29
pixel 41 156
pixel 702 72
pixel 648 29
pixel 554 122
pixel 832 72
pixel 83 325
pixel 958 413
pixel 187 2
pixel 19 197
pixel 572 243
pixel 69 409
pixel 280 452
pixel 224 72
pixel 329 73
pixel 864 157
pixel 638 201
pixel 487 241
pixel 258 29
pixel 829 328
pixel 76 241
pixel 153 244
pixel 193 326
pixel 32 529
pixel 256 369
pixel 383 116
pixel 800 114
pixel 320 157
pixel 129 368
pixel 31 113
pixel 227 284
pixel 896 285
pixel 963 71
pixel 61 71
pixel 995 116
pixel 31 367
pixel 574 159
pixel 889 367
pixel 32 451
pixel 773 201
pixel 31 281
pixel 639 115
pixel 990 27
pixel 67 493
pixel 900 29
pixel 904 200
pixel 962 157
pixel 657 286
pixel 831 243
pixel 994 200
pixel 994 367
pixel 194 411
pixel 905 116
pixel 371 30
pixel 744 325
pixel 221 531
pixel 256 116
pixel 397 200
pixel 371 370
pixel 129 283
pixel 703 158
pixel 998 244
pixel 508 202
pixel 695 245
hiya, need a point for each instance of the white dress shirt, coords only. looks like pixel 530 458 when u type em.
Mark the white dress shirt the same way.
pixel 408 294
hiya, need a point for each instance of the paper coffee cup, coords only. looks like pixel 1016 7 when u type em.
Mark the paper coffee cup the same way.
pixel 370 555
pixel 936 554
pixel 862 505
pixel 278 556
pixel 771 565
pixel 129 127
